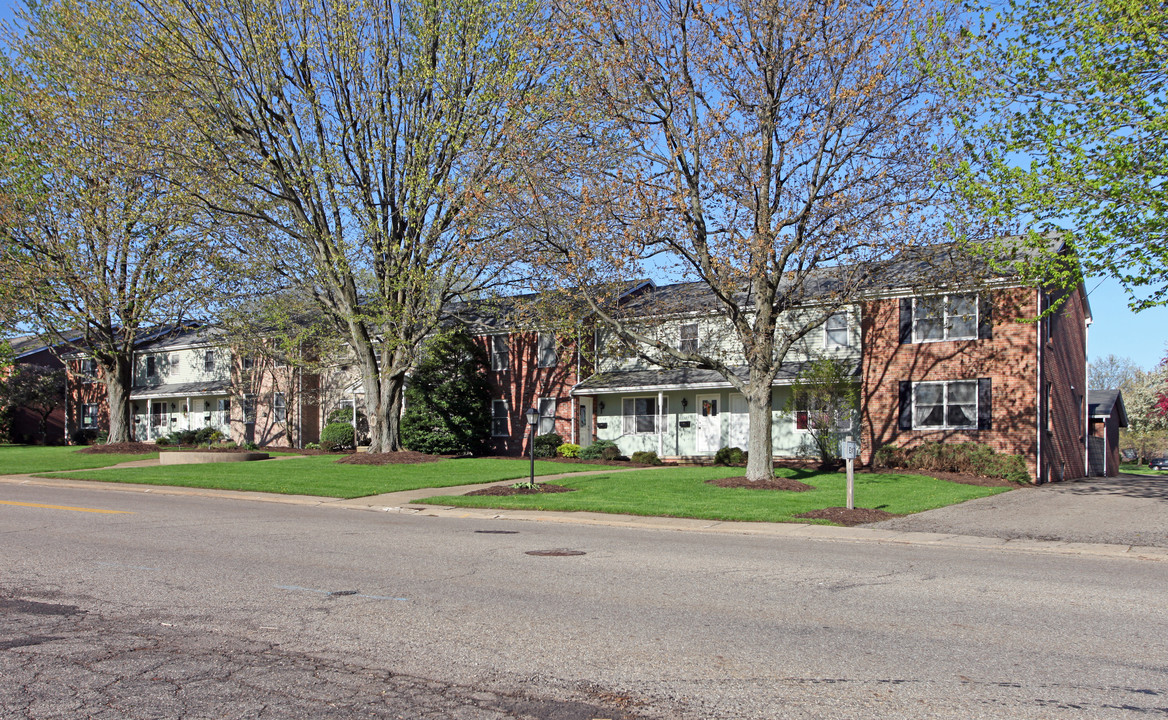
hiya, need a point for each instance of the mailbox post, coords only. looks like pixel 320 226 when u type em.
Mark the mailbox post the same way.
pixel 848 453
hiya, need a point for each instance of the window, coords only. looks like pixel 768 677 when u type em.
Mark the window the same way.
pixel 640 415
pixel 944 317
pixel 688 340
pixel 209 361
pixel 89 416
pixel 547 350
pixel 802 420
pixel 280 407
pixel 249 409
pixel 835 331
pixel 248 363
pixel 945 405
pixel 547 415
pixel 88 367
pixel 499 356
pixel 151 366
pixel 500 419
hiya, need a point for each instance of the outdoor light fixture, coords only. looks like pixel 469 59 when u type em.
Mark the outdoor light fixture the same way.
pixel 532 421
pixel 684 403
pixel 601 406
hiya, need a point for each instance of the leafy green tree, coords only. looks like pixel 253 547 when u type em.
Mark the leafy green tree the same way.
pixel 448 399
pixel 34 388
pixel 1067 131
pixel 830 396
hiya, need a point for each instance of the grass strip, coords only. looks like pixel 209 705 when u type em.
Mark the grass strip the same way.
pixel 323 476
pixel 27 459
pixel 683 492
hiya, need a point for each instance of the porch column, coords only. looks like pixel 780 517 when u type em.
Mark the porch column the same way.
pixel 149 419
pixel 189 415
pixel 660 424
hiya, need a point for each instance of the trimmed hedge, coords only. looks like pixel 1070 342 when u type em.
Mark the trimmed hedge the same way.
pixel 337 436
pixel 969 457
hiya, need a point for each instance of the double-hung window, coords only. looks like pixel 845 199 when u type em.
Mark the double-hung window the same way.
pixel 835 331
pixel 208 361
pixel 945 405
pixel 89 416
pixel 944 317
pixel 500 359
pixel 547 351
pixel 547 415
pixel 279 407
pixel 641 415
pixel 688 340
pixel 151 366
pixel 89 368
pixel 500 419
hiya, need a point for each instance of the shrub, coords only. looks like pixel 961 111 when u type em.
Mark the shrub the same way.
pixel 596 450
pixel 547 444
pixel 337 436
pixel 612 453
pixel 230 445
pixel 249 445
pixel 890 456
pixel 647 458
pixel 968 457
pixel 183 437
pixel 207 435
pixel 83 437
pixel 312 446
pixel 162 442
pixel 569 450
pixel 729 456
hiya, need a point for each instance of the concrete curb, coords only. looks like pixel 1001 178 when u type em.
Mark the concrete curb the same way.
pixel 401 502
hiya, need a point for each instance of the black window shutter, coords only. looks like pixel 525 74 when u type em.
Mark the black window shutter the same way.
pixel 985 321
pixel 906 321
pixel 905 421
pixel 985 403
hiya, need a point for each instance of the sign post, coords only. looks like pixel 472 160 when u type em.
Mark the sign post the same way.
pixel 848 453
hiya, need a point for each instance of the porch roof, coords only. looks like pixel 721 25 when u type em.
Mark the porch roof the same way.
pixel 680 379
pixel 209 387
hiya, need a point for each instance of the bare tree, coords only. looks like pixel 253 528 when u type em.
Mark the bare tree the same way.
pixel 97 241
pixel 774 152
pixel 1113 372
pixel 362 142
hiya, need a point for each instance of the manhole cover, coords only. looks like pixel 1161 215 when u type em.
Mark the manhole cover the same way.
pixel 561 552
pixel 497 532
pixel 344 592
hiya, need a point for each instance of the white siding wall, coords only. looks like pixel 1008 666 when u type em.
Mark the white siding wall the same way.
pixel 182 366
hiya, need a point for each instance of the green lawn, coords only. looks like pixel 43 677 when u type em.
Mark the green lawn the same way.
pixel 23 459
pixel 322 475
pixel 1140 469
pixel 682 492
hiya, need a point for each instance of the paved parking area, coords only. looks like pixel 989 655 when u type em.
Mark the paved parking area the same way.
pixel 1124 510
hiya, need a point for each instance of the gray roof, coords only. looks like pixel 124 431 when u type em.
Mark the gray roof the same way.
pixel 678 379
pixel 1103 403
pixel 210 387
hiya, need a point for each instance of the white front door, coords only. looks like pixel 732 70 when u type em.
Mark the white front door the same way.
pixel 584 433
pixel 708 438
pixel 738 423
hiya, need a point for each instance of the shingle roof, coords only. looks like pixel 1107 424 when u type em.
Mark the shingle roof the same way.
pixel 1103 403
pixel 209 387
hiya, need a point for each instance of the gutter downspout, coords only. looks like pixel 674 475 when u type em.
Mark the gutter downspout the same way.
pixel 1086 420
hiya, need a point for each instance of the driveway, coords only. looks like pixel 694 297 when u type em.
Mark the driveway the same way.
pixel 1125 510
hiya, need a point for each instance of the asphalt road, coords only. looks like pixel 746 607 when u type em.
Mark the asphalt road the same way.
pixel 199 607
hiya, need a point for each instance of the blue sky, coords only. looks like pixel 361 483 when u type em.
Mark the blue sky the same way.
pixel 1116 330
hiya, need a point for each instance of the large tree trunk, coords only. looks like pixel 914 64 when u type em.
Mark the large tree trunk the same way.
pixel 383 400
pixel 760 464
pixel 118 380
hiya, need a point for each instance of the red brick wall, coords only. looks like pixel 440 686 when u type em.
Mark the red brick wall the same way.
pixel 84 389
pixel 1008 359
pixel 26 424
pixel 524 383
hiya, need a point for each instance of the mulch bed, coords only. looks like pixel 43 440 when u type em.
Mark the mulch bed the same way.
pixel 850 518
pixel 962 478
pixel 539 489
pixel 778 483
pixel 122 448
pixel 403 457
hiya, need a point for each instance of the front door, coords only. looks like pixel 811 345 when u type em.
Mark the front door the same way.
pixel 585 432
pixel 708 438
pixel 738 423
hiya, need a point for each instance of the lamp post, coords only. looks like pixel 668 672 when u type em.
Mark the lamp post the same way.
pixel 532 421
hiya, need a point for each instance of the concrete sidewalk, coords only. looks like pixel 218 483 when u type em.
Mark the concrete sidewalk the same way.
pixel 403 502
